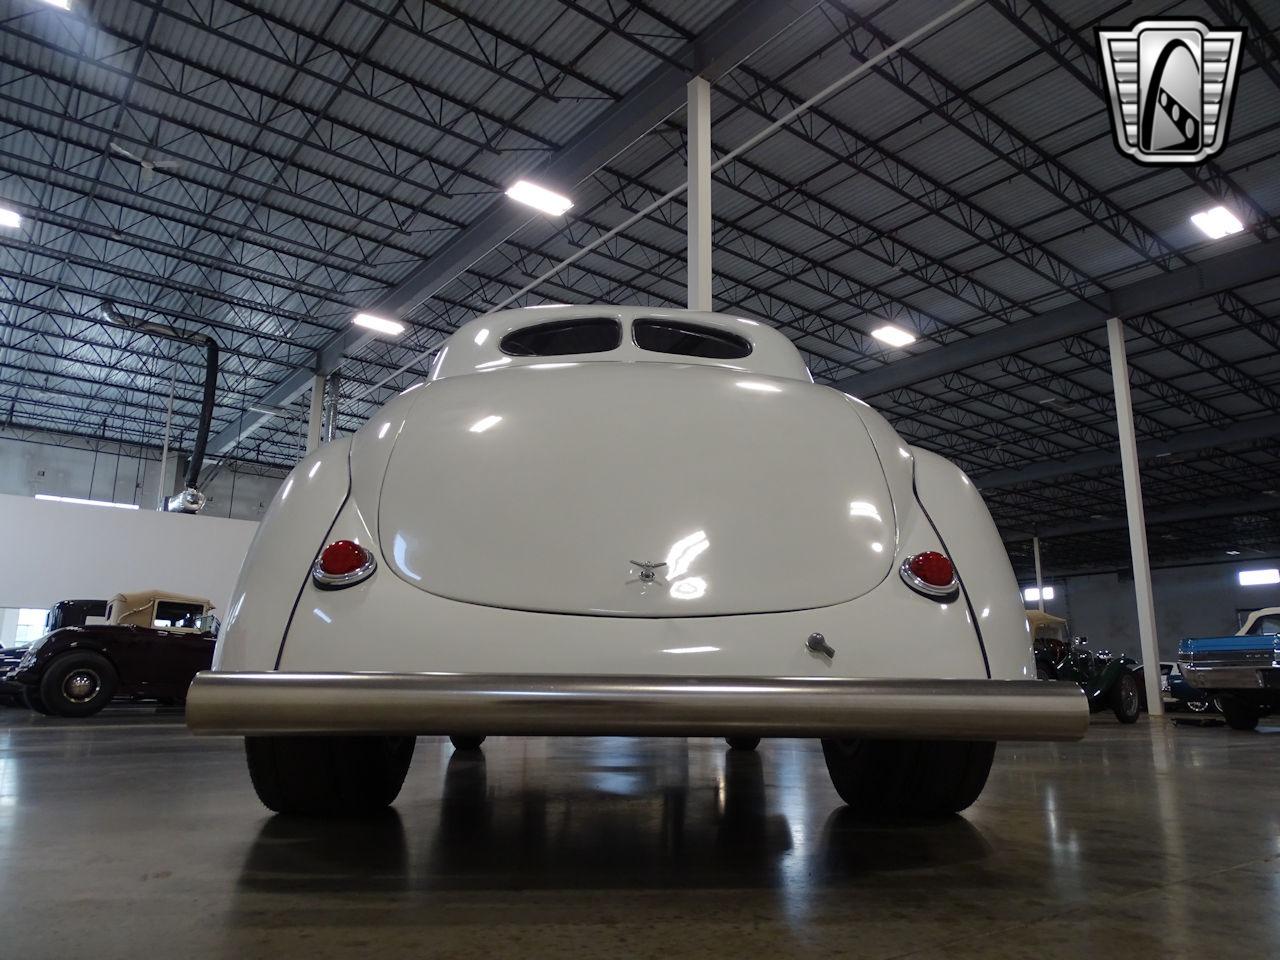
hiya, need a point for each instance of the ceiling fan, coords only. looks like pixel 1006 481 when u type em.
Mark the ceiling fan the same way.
pixel 148 165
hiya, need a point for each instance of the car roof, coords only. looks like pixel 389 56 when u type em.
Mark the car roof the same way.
pixel 146 596
pixel 1255 617
pixel 1038 618
pixel 475 346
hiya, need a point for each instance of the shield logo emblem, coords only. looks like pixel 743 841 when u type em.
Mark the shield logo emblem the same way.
pixel 1171 83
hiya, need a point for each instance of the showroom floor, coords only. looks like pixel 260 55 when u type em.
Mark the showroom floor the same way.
pixel 124 834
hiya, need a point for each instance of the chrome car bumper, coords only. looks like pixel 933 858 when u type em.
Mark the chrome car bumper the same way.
pixel 549 705
pixel 1245 668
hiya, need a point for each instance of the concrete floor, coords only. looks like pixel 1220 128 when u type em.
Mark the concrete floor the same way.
pixel 123 836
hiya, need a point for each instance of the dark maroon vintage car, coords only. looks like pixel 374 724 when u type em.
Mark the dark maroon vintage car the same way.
pixel 151 646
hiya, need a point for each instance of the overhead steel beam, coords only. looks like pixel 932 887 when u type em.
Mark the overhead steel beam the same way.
pixel 1227 507
pixel 1225 272
pixel 1248 431
pixel 737 33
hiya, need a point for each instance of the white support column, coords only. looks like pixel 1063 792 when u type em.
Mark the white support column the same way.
pixel 331 415
pixel 1136 516
pixel 699 218
pixel 316 419
pixel 1035 549
pixel 162 494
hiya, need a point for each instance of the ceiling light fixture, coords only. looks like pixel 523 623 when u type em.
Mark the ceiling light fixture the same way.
pixel 378 324
pixel 10 218
pixel 893 336
pixel 60 4
pixel 540 198
pixel 1217 222
pixel 1259 578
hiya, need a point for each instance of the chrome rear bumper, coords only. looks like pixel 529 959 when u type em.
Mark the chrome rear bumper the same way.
pixel 549 705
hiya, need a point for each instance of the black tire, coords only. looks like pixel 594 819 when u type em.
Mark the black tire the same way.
pixel 328 776
pixel 467 743
pixel 908 778
pixel 1124 698
pixel 742 743
pixel 1239 714
pixel 78 684
pixel 31 697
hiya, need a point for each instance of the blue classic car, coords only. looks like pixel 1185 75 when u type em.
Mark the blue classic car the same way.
pixel 1242 672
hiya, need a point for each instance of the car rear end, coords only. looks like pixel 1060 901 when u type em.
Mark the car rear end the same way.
pixel 677 556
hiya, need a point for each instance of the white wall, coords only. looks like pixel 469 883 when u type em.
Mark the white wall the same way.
pixel 58 551
pixel 44 463
pixel 1194 601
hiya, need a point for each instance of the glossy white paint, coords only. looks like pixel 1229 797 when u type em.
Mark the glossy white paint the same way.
pixel 385 624
pixel 539 489
pixel 976 549
pixel 291 534
pixel 535 488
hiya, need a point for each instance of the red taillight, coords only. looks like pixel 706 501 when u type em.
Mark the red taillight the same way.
pixel 930 573
pixel 342 563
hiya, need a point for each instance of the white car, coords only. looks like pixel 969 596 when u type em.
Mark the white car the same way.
pixel 626 521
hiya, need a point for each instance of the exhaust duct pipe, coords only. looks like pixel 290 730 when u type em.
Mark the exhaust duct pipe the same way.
pixel 190 500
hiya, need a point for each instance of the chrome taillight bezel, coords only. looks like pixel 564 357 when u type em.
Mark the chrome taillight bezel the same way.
pixel 336 581
pixel 943 594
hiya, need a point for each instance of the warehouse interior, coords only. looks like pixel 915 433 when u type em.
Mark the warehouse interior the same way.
pixel 929 199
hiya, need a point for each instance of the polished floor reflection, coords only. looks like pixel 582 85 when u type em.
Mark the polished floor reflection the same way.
pixel 125 836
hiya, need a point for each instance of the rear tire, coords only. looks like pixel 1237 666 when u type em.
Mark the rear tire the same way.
pixel 467 744
pixel 908 778
pixel 77 684
pixel 1125 702
pixel 1239 714
pixel 742 743
pixel 328 776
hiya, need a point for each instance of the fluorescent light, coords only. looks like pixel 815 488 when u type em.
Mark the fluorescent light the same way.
pixel 378 324
pixel 1259 578
pixel 1233 553
pixel 1032 594
pixel 893 336
pixel 687 649
pixel 540 198
pixel 60 4
pixel 10 218
pixel 484 423
pixel 92 503
pixel 1217 222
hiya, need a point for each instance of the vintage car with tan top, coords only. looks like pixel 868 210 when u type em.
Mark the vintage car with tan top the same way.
pixel 583 524
pixel 151 646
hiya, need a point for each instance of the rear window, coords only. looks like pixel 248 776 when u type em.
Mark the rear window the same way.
pixel 689 340
pixel 1265 625
pixel 564 337
pixel 172 614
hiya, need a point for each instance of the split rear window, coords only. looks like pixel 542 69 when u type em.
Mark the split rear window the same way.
pixel 561 338
pixel 689 340
pixel 564 338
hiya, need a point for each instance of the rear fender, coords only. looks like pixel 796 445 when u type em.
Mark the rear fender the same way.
pixel 292 533
pixel 971 540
